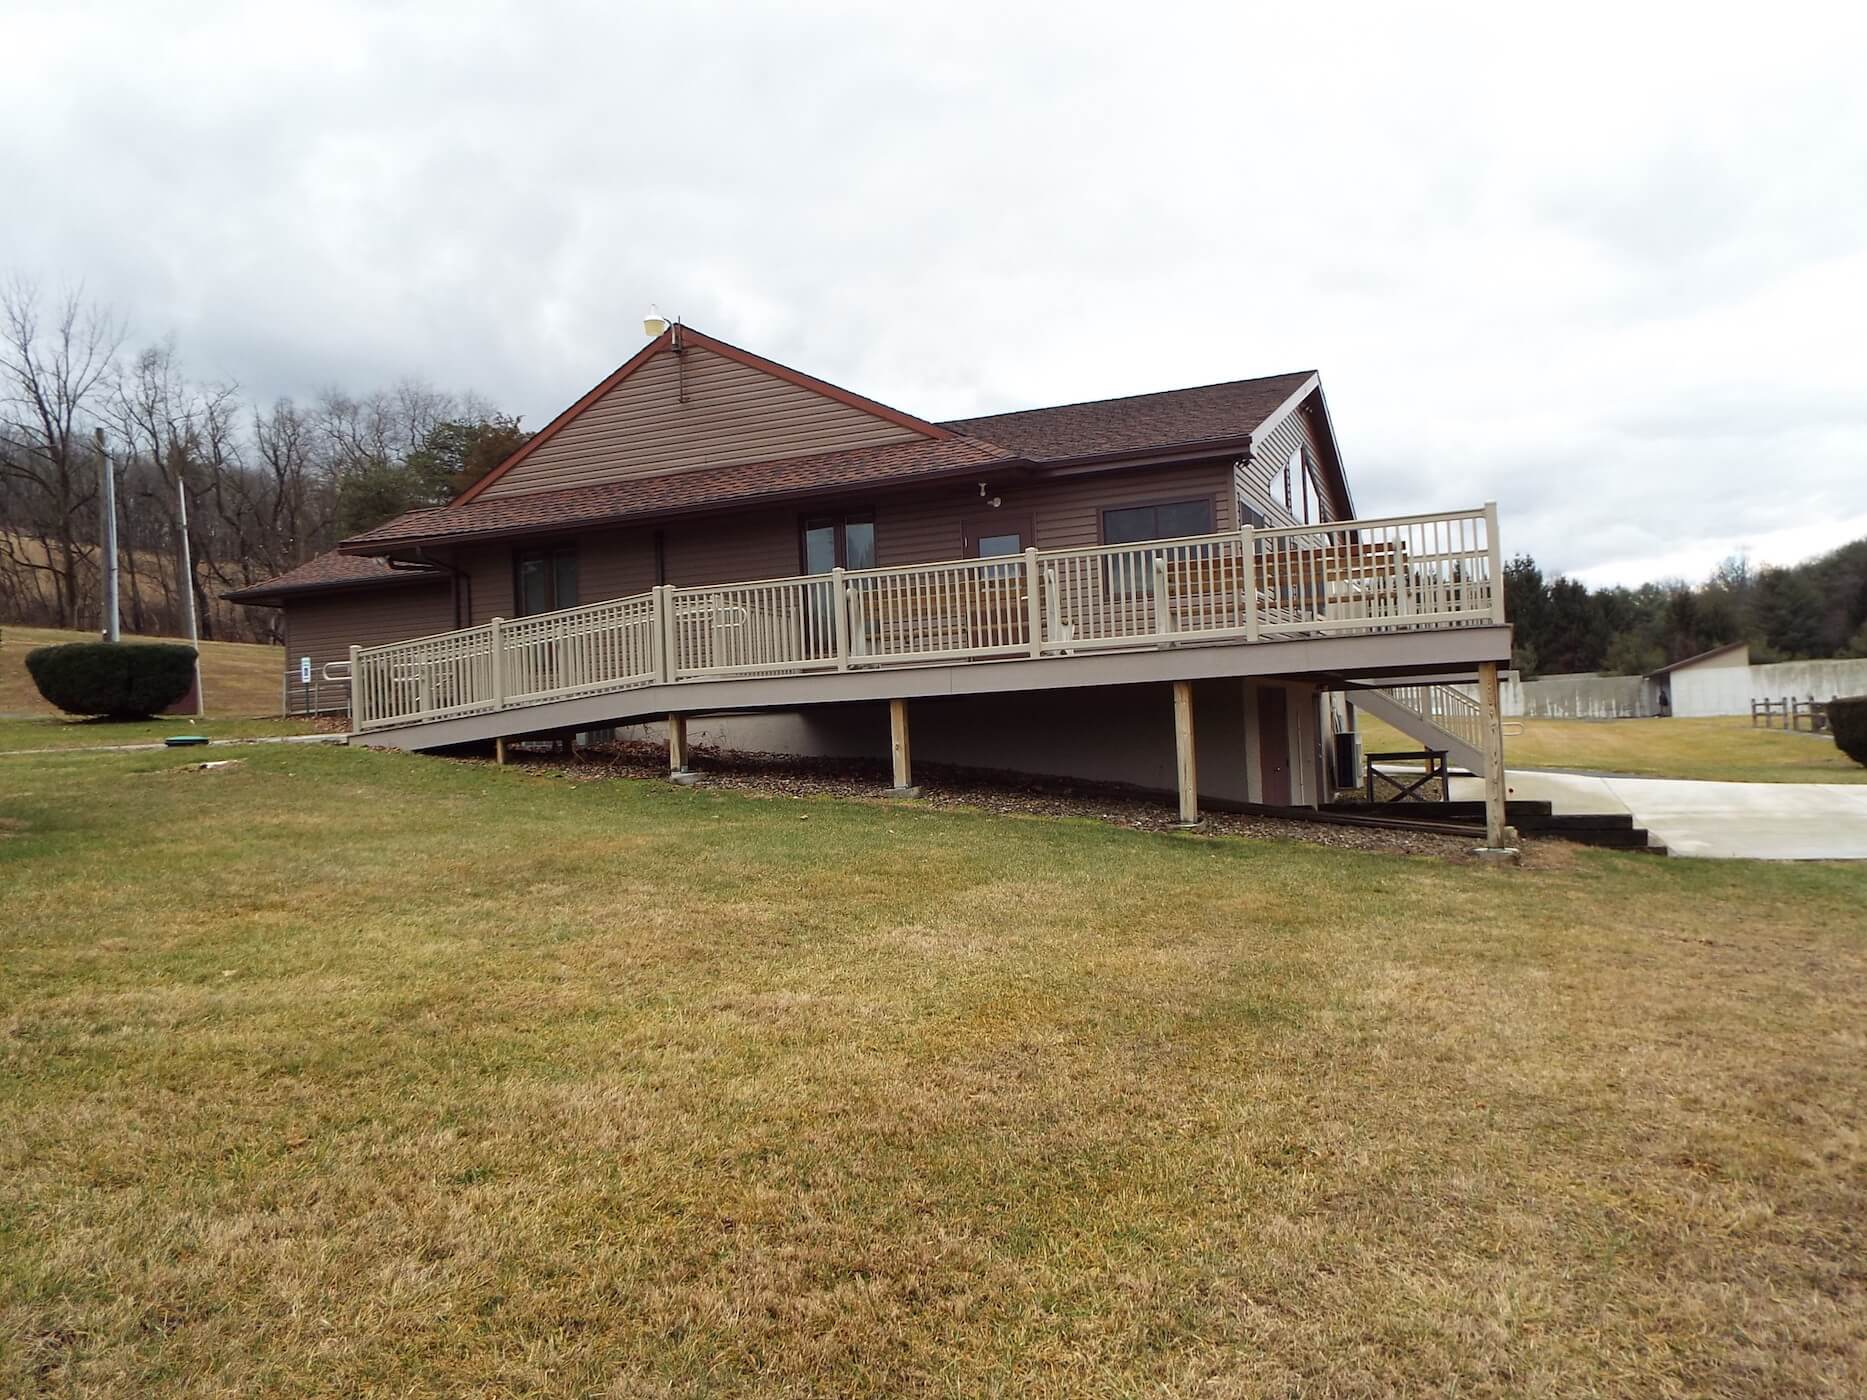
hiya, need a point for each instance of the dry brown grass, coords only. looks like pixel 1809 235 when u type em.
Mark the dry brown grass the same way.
pixel 346 1073
pixel 238 678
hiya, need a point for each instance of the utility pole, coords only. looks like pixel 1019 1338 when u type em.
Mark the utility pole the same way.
pixel 187 582
pixel 112 632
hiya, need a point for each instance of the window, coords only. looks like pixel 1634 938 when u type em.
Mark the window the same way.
pixel 1163 522
pixel 847 540
pixel 544 580
pixel 1132 575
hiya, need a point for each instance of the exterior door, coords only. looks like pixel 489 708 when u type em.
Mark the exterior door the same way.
pixel 996 612
pixel 827 542
pixel 1274 745
pixel 996 536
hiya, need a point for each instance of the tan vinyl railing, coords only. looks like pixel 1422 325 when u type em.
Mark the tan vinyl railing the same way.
pixel 1398 574
pixel 1447 706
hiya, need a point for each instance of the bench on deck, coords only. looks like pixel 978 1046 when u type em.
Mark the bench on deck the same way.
pixel 974 615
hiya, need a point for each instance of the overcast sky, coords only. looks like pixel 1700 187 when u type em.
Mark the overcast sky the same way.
pixel 1607 267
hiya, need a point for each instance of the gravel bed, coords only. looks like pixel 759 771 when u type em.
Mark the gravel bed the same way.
pixel 789 776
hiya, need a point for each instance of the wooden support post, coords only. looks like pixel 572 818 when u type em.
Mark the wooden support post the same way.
pixel 1186 768
pixel 678 771
pixel 499 751
pixel 1498 836
pixel 898 750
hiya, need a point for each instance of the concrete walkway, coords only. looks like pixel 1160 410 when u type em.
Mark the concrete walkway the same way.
pixel 1759 821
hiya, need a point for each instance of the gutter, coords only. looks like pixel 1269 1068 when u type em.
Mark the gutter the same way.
pixel 420 543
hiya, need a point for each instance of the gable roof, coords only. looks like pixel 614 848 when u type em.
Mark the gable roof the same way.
pixel 1139 422
pixel 1106 433
pixel 617 502
pixel 611 414
pixel 1680 665
pixel 333 570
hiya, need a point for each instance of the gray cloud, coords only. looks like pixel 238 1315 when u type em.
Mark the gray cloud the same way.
pixel 1604 268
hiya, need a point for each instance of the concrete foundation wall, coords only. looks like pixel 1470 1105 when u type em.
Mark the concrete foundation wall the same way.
pixel 1729 690
pixel 1117 734
pixel 1585 696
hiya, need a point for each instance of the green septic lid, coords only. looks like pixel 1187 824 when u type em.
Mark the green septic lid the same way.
pixel 185 741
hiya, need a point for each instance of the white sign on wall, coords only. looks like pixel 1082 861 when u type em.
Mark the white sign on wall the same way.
pixel 304 670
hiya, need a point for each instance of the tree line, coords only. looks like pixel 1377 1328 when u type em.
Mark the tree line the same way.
pixel 267 486
pixel 1814 609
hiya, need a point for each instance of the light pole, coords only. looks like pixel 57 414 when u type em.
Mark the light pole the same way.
pixel 112 632
pixel 187 582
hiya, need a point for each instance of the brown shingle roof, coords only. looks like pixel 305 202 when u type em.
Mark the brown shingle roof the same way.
pixel 611 502
pixel 1138 423
pixel 332 570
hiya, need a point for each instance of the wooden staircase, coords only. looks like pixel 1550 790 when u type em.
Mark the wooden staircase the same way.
pixel 1440 717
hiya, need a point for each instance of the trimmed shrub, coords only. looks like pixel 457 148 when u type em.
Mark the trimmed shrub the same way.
pixel 1847 717
pixel 123 680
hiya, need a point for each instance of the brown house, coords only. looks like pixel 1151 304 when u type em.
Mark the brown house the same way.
pixel 717 542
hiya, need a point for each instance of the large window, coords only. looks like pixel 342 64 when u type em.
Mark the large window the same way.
pixel 1170 521
pixel 831 540
pixel 1132 575
pixel 544 580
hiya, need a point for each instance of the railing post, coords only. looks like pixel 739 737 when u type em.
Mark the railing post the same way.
pixel 1163 617
pixel 839 618
pixel 1033 604
pixel 498 646
pixel 1496 551
pixel 657 635
pixel 669 659
pixel 356 676
pixel 1248 580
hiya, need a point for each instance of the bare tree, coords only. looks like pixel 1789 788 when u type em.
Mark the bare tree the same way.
pixel 51 377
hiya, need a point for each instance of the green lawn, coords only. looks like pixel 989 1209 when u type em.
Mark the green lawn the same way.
pixel 341 1072
pixel 237 678
pixel 1724 749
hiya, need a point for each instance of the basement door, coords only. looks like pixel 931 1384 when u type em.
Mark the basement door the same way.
pixel 1274 745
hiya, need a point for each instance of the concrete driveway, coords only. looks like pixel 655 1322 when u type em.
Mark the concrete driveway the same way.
pixel 1761 821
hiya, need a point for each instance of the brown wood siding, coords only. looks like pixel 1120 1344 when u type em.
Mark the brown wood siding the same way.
pixel 919 529
pixel 326 626
pixel 734 413
pixel 610 564
pixel 1252 482
pixel 1066 513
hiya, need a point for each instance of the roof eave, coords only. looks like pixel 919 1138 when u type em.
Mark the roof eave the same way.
pixel 385 547
pixel 260 596
pixel 1169 455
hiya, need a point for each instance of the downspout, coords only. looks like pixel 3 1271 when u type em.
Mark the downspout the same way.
pixel 462 581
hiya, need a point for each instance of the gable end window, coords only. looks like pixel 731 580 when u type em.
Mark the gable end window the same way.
pixel 1300 485
pixel 544 580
